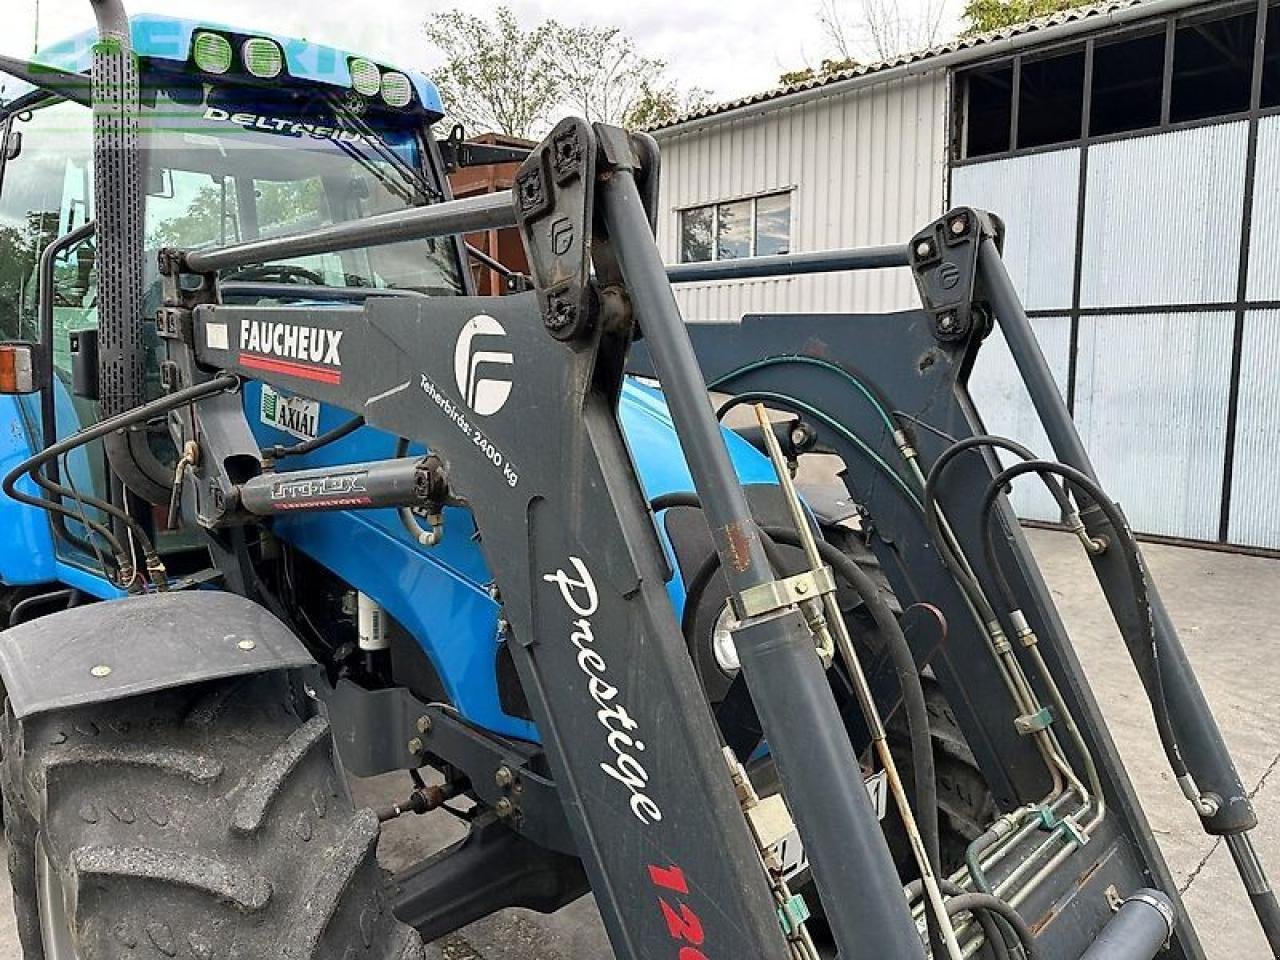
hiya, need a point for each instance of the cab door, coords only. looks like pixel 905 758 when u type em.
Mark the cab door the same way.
pixel 46 192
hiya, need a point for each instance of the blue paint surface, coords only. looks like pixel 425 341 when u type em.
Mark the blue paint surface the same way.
pixel 439 594
pixel 161 38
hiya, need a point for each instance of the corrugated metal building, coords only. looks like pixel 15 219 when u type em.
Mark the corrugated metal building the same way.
pixel 1133 150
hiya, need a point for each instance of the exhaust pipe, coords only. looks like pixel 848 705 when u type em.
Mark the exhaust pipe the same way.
pixel 117 194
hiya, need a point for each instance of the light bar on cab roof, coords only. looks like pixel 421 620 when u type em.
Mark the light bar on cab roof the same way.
pixel 366 77
pixel 212 52
pixel 397 91
pixel 263 58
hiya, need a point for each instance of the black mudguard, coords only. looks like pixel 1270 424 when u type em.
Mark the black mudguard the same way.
pixel 122 648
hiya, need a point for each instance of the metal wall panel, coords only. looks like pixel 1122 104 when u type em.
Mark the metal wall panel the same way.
pixel 867 167
pixel 1264 241
pixel 1002 402
pixel 1255 497
pixel 1162 218
pixel 1151 405
pixel 1037 196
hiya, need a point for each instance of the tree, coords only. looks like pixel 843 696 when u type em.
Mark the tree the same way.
pixel 496 76
pixel 212 215
pixel 601 75
pixel 659 102
pixel 983 15
pixel 881 29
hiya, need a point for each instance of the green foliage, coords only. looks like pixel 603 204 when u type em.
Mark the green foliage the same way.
pixel 19 251
pixel 982 16
pixel 499 77
pixel 828 67
pixel 279 204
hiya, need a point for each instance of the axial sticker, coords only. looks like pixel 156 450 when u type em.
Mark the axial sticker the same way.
pixel 297 416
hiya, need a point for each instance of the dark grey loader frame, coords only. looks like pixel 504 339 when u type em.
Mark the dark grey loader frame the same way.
pixel 579 571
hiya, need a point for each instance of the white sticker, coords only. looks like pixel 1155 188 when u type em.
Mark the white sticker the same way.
pixel 215 336
pixel 297 416
pixel 791 851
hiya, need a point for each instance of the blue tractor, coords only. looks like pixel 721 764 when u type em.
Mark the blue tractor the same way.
pixel 287 503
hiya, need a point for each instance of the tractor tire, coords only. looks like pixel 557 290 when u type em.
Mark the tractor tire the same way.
pixel 965 804
pixel 207 822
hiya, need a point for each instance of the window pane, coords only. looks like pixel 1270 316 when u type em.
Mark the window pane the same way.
pixel 1128 77
pixel 773 225
pixel 47 193
pixel 734 237
pixel 990 111
pixel 1212 68
pixel 1271 62
pixel 1050 100
pixel 695 235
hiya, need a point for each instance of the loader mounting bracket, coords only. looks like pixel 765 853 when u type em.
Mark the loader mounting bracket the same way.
pixel 944 263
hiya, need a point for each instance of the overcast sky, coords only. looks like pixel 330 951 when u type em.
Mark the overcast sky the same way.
pixel 730 47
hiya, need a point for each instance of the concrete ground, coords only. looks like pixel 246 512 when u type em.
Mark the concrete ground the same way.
pixel 1221 604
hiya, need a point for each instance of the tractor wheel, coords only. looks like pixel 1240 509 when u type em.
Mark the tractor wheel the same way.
pixel 207 822
pixel 965 804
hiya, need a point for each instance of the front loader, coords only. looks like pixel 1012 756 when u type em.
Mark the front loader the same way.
pixel 315 510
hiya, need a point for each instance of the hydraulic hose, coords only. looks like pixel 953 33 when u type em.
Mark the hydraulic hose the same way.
pixel 800 407
pixel 1138 931
pixel 102 428
pixel 908 679
pixel 10 489
pixel 61 492
pixel 346 428
pixel 933 481
pixel 973 902
pixel 958 565
pixel 988 920
pixel 1138 583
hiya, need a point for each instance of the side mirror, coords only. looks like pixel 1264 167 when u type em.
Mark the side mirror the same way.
pixel 13 145
pixel 20 367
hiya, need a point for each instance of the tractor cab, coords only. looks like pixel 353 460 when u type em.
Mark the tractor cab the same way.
pixel 243 137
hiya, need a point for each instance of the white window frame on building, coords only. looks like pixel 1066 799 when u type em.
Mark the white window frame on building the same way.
pixel 715 246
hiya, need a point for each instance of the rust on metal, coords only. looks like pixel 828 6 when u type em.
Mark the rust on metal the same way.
pixel 735 540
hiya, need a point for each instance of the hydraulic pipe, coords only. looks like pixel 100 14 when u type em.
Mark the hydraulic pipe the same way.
pixel 1214 786
pixel 821 778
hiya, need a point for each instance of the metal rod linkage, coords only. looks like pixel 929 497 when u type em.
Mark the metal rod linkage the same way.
pixel 489 211
pixel 792 264
pixel 862 689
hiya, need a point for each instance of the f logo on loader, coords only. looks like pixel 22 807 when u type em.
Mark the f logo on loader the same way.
pixel 482 391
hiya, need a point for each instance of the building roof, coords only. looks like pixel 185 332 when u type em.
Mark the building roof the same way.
pixel 1102 12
